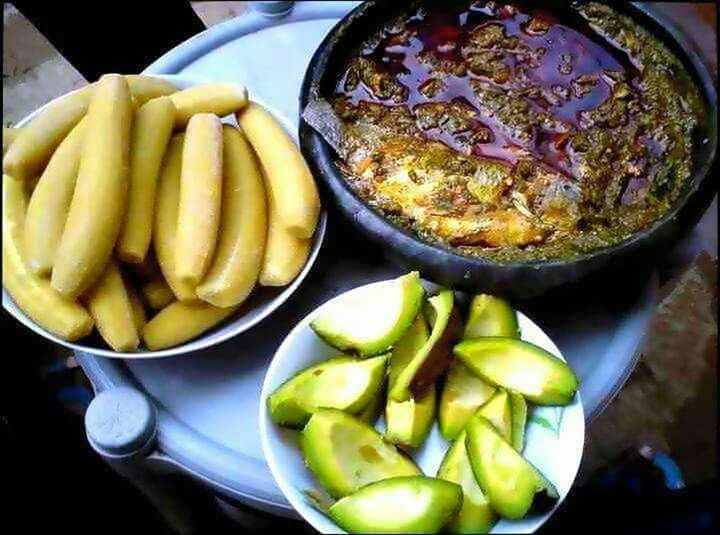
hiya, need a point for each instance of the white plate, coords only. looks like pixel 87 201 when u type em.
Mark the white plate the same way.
pixel 554 436
pixel 260 305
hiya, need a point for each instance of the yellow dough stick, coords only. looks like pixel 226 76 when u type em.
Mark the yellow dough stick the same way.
pixel 219 98
pixel 33 147
pixel 50 202
pixel 98 203
pixel 35 144
pixel 144 88
pixel 152 127
pixel 289 182
pixel 109 305
pixel 179 322
pixel 33 295
pixel 166 217
pixel 200 197
pixel 9 135
pixel 158 294
pixel 138 309
pixel 285 255
pixel 243 226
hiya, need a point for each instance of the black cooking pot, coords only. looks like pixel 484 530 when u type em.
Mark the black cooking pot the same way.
pixel 514 279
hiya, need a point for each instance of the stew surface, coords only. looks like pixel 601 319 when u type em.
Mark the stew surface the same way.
pixel 509 132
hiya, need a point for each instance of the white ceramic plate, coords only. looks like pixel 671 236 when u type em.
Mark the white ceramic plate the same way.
pixel 260 305
pixel 554 435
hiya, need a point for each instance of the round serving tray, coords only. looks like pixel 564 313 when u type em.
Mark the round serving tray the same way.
pixel 207 401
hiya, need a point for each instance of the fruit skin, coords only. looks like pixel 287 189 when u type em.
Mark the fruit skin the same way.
pixel 518 407
pixel 491 316
pixel 50 202
pixel 520 366
pixel 37 141
pixel 33 295
pixel 220 98
pixel 411 504
pixel 341 335
pixel 152 127
pixel 509 481
pixel 98 203
pixel 332 384
pixel 166 215
pixel 463 393
pixel 498 412
pixel 109 305
pixel 157 293
pixel 434 356
pixel 345 453
pixel 407 423
pixel 243 226
pixel 476 515
pixel 289 181
pixel 179 322
pixel 200 197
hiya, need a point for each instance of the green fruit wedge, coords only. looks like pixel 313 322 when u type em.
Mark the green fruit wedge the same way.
pixel 346 454
pixel 344 383
pixel 407 347
pixel 498 412
pixel 510 482
pixel 282 403
pixel 370 320
pixel 520 366
pixel 408 422
pixel 519 420
pixel 491 316
pixel 463 394
pixel 415 504
pixel 372 412
pixel 430 360
pixel 476 515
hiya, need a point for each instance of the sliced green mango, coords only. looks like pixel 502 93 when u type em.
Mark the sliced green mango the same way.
pixel 491 316
pixel 463 394
pixel 415 504
pixel 476 515
pixel 343 383
pixel 407 347
pixel 519 420
pixel 433 357
pixel 520 366
pixel 498 412
pixel 370 320
pixel 407 423
pixel 372 412
pixel 512 485
pixel 282 403
pixel 346 454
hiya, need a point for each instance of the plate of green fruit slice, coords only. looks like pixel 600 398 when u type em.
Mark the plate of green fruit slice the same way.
pixel 403 407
